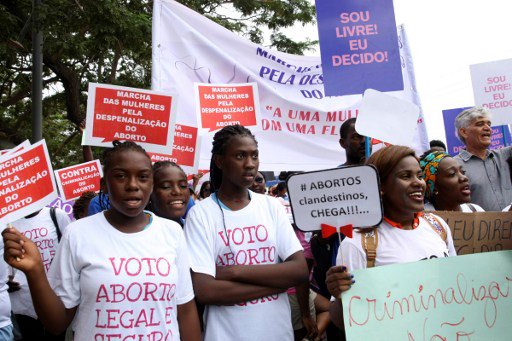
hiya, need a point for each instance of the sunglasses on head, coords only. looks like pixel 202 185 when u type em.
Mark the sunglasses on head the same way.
pixel 258 179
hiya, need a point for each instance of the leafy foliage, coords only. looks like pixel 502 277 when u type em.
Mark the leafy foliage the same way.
pixel 107 41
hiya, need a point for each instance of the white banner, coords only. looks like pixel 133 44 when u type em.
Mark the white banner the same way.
pixel 298 127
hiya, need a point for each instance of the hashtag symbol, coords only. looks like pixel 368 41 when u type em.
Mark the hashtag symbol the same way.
pixel 303 187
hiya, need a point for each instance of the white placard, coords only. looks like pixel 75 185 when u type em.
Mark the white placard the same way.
pixel 337 197
pixel 492 89
pixel 387 118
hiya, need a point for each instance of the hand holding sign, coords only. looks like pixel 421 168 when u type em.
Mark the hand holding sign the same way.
pixel 387 118
pixel 75 180
pixel 219 105
pixel 335 197
pixel 453 298
pixel 185 150
pixel 359 46
pixel 26 182
pixel 121 113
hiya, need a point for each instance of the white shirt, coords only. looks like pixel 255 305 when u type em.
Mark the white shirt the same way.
pixel 397 246
pixel 42 231
pixel 127 285
pixel 260 233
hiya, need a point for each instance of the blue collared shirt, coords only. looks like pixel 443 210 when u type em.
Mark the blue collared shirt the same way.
pixel 491 185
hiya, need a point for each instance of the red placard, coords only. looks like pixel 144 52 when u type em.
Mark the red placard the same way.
pixel 75 180
pixel 221 105
pixel 26 182
pixel 185 148
pixel 128 114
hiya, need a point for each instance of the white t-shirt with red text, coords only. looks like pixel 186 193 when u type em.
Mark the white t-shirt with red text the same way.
pixel 42 231
pixel 260 233
pixel 396 245
pixel 127 285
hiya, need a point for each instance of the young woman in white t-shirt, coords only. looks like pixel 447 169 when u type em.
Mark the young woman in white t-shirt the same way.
pixel 447 184
pixel 405 235
pixel 170 195
pixel 120 274
pixel 244 254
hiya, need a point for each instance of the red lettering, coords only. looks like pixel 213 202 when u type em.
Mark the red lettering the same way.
pixel 137 263
pixel 137 295
pixel 148 292
pixel 102 294
pixel 169 315
pixel 118 270
pixel 253 254
pixel 117 290
pixel 122 320
pixel 166 268
pixel 249 230
pixel 261 233
pixel 240 234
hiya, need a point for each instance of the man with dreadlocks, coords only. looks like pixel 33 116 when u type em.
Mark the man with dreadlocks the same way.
pixel 243 251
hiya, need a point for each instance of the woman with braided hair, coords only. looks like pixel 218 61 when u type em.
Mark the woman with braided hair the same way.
pixel 120 274
pixel 244 254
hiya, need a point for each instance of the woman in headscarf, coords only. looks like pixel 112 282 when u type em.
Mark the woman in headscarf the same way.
pixel 447 184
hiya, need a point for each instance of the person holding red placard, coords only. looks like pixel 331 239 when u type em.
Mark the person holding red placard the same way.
pixel 244 253
pixel 122 273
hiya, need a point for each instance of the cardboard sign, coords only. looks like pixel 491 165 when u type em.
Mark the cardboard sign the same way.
pixel 492 88
pixel 500 134
pixel 185 151
pixel 26 182
pixel 336 197
pixel 127 114
pixel 75 180
pixel 387 118
pixel 453 298
pixel 479 231
pixel 359 46
pixel 220 105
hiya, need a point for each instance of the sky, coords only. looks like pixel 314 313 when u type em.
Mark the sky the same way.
pixel 445 38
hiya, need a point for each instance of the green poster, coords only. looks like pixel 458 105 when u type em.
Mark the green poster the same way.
pixel 455 298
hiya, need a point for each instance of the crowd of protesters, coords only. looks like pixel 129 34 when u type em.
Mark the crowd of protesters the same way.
pixel 226 262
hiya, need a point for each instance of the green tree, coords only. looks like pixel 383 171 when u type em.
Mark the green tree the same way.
pixel 107 41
